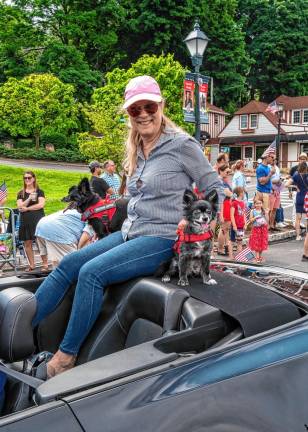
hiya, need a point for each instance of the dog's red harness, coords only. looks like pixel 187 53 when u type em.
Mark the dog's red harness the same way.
pixel 103 208
pixel 183 237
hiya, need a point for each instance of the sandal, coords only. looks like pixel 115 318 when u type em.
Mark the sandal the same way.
pixel 221 253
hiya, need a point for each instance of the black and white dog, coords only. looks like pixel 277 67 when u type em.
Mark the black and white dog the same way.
pixel 103 216
pixel 194 244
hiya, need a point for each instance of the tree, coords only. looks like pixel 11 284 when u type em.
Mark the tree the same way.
pixel 36 104
pixel 277 40
pixel 20 43
pixel 69 64
pixel 225 58
pixel 89 25
pixel 105 113
pixel 155 28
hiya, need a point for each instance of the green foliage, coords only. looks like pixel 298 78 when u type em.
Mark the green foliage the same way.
pixel 57 139
pixel 69 64
pixel 277 40
pixel 106 116
pixel 20 42
pixel 156 27
pixel 65 155
pixel 225 58
pixel 54 183
pixel 90 26
pixel 36 104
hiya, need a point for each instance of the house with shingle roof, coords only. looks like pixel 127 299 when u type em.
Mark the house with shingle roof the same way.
pixel 211 130
pixel 252 129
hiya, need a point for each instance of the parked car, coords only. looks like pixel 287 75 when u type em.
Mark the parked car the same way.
pixel 227 357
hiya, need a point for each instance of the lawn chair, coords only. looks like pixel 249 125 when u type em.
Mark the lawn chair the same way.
pixel 9 242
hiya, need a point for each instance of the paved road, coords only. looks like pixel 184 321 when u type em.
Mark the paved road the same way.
pixel 287 254
pixel 60 166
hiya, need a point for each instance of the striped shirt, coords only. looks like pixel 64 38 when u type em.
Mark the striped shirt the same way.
pixel 157 186
pixel 114 181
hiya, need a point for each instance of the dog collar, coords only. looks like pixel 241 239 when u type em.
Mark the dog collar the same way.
pixel 190 238
pixel 100 209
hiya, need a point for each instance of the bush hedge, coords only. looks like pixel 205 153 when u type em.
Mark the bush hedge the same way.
pixel 66 155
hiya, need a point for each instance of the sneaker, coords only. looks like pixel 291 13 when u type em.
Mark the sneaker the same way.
pixel 298 238
pixel 304 258
pixel 280 225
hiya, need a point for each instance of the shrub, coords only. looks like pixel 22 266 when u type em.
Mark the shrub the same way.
pixel 57 139
pixel 65 155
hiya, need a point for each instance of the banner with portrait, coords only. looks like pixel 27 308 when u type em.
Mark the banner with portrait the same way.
pixel 189 98
pixel 203 90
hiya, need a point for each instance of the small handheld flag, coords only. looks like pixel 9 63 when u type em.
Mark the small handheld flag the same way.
pixel 272 107
pixel 245 255
pixel 3 191
pixel 271 149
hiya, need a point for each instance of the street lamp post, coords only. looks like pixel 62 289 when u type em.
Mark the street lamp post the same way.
pixel 279 113
pixel 196 43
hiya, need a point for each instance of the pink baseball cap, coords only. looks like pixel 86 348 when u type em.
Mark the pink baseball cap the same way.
pixel 142 88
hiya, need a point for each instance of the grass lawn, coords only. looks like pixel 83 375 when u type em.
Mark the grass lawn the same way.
pixel 54 183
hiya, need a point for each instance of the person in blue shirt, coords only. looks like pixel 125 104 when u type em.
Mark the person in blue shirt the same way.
pixel 264 173
pixel 112 178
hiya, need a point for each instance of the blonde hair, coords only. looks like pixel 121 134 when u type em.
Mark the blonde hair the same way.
pixel 134 141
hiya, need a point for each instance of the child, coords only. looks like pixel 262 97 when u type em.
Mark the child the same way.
pixel 258 240
pixel 238 218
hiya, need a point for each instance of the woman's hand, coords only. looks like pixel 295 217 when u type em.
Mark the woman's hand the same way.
pixel 182 224
pixel 23 209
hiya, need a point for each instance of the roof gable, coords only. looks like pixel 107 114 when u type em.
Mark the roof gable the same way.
pixel 291 103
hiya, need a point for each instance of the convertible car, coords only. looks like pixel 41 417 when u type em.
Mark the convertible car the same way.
pixel 223 358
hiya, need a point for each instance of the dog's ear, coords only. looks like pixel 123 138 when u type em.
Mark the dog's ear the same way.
pixel 188 198
pixel 212 197
pixel 84 186
pixel 68 197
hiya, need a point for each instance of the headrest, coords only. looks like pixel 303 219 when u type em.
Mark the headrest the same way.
pixel 17 309
pixel 155 301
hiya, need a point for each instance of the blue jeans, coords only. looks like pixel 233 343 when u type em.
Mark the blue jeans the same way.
pixel 108 261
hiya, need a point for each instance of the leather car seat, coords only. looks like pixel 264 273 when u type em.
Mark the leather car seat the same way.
pixel 150 310
pixel 17 309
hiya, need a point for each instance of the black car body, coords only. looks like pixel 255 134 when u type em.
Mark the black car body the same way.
pixel 230 357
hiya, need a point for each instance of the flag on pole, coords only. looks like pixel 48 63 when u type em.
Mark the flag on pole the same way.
pixel 245 255
pixel 272 107
pixel 3 191
pixel 271 149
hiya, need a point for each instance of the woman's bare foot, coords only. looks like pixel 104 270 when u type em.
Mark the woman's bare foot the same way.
pixel 59 363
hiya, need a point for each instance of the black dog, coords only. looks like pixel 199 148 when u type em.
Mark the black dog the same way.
pixel 103 217
pixel 193 248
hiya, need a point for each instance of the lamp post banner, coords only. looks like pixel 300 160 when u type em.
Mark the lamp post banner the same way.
pixel 189 98
pixel 203 89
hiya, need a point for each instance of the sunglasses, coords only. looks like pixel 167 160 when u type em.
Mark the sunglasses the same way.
pixel 135 111
pixel 28 178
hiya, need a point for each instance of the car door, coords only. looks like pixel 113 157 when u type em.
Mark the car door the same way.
pixel 52 417
pixel 270 399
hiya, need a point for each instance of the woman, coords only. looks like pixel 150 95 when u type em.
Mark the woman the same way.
pixel 30 203
pixel 225 219
pixel 300 180
pixel 239 179
pixel 161 161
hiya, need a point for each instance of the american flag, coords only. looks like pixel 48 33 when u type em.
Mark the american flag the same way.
pixel 245 255
pixel 271 149
pixel 3 191
pixel 272 107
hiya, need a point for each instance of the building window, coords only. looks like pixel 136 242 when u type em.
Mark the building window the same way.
pixel 296 116
pixel 244 121
pixel 305 116
pixel 253 121
pixel 216 119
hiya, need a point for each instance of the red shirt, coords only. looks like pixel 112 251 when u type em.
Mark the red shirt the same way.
pixel 239 213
